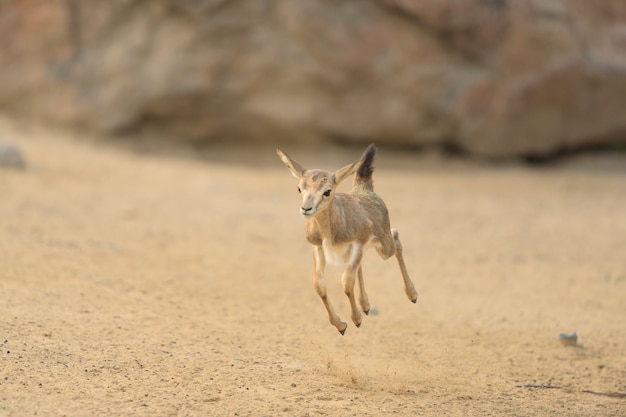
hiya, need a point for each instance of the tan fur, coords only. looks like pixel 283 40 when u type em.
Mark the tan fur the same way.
pixel 341 226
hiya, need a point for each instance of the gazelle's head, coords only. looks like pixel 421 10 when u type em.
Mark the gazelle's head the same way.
pixel 316 186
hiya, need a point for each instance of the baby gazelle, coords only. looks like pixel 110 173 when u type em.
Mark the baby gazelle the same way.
pixel 341 226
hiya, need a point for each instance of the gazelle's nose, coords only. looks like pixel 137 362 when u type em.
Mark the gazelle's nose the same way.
pixel 307 211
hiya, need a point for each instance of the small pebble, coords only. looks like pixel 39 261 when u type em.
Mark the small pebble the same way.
pixel 568 339
pixel 11 156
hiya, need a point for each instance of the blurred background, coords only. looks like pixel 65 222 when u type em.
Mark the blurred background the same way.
pixel 492 78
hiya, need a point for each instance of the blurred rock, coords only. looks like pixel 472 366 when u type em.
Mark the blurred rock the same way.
pixel 496 78
pixel 11 156
pixel 568 339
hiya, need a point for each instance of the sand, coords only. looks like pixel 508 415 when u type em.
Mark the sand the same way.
pixel 159 284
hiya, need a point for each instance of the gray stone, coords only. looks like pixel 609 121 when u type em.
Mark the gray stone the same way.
pixel 11 156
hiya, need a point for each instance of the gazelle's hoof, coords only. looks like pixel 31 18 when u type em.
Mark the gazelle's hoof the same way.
pixel 358 324
pixel 367 312
pixel 342 331
pixel 345 326
pixel 414 300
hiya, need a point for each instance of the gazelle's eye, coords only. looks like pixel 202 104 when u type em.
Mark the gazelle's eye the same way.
pixel 299 190
pixel 327 193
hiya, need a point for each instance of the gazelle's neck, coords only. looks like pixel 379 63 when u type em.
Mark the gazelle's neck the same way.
pixel 323 219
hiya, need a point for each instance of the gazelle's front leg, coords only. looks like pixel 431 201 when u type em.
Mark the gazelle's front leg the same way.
pixel 320 288
pixel 363 299
pixel 348 278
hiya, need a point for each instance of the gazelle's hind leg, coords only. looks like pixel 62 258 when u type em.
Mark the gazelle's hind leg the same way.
pixel 363 299
pixel 409 288
pixel 320 288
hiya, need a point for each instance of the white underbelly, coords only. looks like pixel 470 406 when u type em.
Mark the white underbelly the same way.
pixel 340 254
pixel 336 254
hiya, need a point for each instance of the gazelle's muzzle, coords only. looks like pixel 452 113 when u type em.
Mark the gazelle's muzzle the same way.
pixel 309 206
pixel 307 211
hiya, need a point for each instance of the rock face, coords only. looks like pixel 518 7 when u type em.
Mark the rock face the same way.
pixel 496 78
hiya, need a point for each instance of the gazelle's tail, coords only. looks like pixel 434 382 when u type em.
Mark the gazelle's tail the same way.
pixel 363 179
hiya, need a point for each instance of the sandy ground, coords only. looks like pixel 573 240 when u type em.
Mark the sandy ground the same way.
pixel 159 285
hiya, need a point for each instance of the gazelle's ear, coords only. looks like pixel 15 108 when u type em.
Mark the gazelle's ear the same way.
pixel 296 169
pixel 343 173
